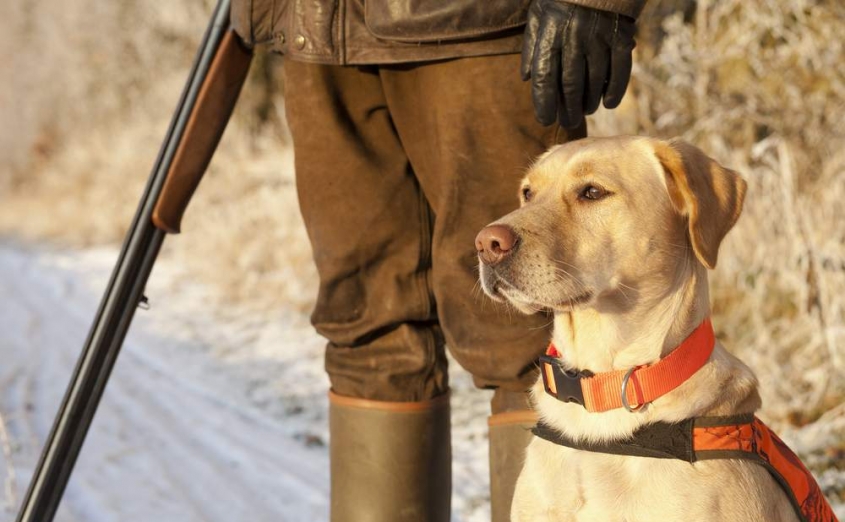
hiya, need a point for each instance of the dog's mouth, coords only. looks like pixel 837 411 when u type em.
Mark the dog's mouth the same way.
pixel 501 290
pixel 569 303
pixel 506 292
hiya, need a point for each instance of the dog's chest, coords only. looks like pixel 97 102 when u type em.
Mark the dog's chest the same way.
pixel 593 486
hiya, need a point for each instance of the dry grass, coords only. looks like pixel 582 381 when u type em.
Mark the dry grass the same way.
pixel 758 85
pixel 94 89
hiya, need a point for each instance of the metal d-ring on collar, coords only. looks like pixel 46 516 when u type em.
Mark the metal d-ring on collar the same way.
pixel 625 391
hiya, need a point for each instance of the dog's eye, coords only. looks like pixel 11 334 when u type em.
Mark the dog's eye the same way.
pixel 527 194
pixel 592 193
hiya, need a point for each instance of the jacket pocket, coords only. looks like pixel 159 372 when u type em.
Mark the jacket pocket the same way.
pixel 439 20
pixel 253 20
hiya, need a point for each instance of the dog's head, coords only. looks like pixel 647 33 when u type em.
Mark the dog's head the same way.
pixel 607 216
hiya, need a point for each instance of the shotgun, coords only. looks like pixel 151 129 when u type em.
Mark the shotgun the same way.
pixel 217 75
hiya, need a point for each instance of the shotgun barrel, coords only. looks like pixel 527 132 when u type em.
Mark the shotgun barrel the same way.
pixel 208 98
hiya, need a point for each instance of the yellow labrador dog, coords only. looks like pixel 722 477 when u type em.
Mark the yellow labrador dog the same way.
pixel 614 236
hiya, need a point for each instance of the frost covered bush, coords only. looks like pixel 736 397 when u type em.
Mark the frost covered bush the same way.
pixel 88 89
pixel 761 87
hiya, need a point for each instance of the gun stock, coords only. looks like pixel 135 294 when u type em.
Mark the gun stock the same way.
pixel 205 126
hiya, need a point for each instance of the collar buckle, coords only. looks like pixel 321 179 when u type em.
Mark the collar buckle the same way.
pixel 560 383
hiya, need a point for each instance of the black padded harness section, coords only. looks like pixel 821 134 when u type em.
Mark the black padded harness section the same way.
pixel 660 440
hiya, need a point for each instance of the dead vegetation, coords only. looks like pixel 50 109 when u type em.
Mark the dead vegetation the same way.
pixel 759 85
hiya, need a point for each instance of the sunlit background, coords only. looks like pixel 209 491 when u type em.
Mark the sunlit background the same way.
pixel 87 89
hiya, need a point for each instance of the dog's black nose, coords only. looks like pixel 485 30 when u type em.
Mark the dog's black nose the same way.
pixel 494 243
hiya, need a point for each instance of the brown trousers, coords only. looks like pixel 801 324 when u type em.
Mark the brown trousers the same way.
pixel 398 168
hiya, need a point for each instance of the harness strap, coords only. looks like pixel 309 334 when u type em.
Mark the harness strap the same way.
pixel 705 438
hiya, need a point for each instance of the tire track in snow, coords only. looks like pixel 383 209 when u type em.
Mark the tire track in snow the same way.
pixel 161 447
pixel 21 333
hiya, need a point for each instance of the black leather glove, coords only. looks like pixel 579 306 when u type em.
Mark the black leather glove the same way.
pixel 574 56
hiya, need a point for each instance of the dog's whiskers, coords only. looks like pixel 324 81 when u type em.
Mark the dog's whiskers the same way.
pixel 571 277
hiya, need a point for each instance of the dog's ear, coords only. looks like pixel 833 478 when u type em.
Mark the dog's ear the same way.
pixel 708 194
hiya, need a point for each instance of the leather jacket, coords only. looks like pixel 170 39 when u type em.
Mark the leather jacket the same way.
pixel 346 32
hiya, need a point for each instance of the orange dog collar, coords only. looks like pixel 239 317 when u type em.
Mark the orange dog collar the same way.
pixel 633 388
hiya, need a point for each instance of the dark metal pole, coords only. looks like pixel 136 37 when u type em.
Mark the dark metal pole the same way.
pixel 117 308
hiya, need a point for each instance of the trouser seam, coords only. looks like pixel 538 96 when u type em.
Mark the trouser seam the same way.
pixel 425 265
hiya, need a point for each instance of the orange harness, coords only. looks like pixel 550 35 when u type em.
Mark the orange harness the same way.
pixel 737 437
pixel 704 438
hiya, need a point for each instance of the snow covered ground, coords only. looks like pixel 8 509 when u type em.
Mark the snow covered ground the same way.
pixel 213 413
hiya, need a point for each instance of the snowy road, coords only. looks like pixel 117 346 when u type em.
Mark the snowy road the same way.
pixel 166 443
pixel 203 420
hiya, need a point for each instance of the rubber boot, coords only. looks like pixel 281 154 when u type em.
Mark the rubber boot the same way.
pixel 390 461
pixel 509 434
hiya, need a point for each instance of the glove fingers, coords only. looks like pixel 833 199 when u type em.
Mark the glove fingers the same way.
pixel 528 44
pixel 620 73
pixel 545 72
pixel 572 80
pixel 598 71
pixel 620 62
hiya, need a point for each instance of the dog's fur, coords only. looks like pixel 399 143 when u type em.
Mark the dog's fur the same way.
pixel 626 279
